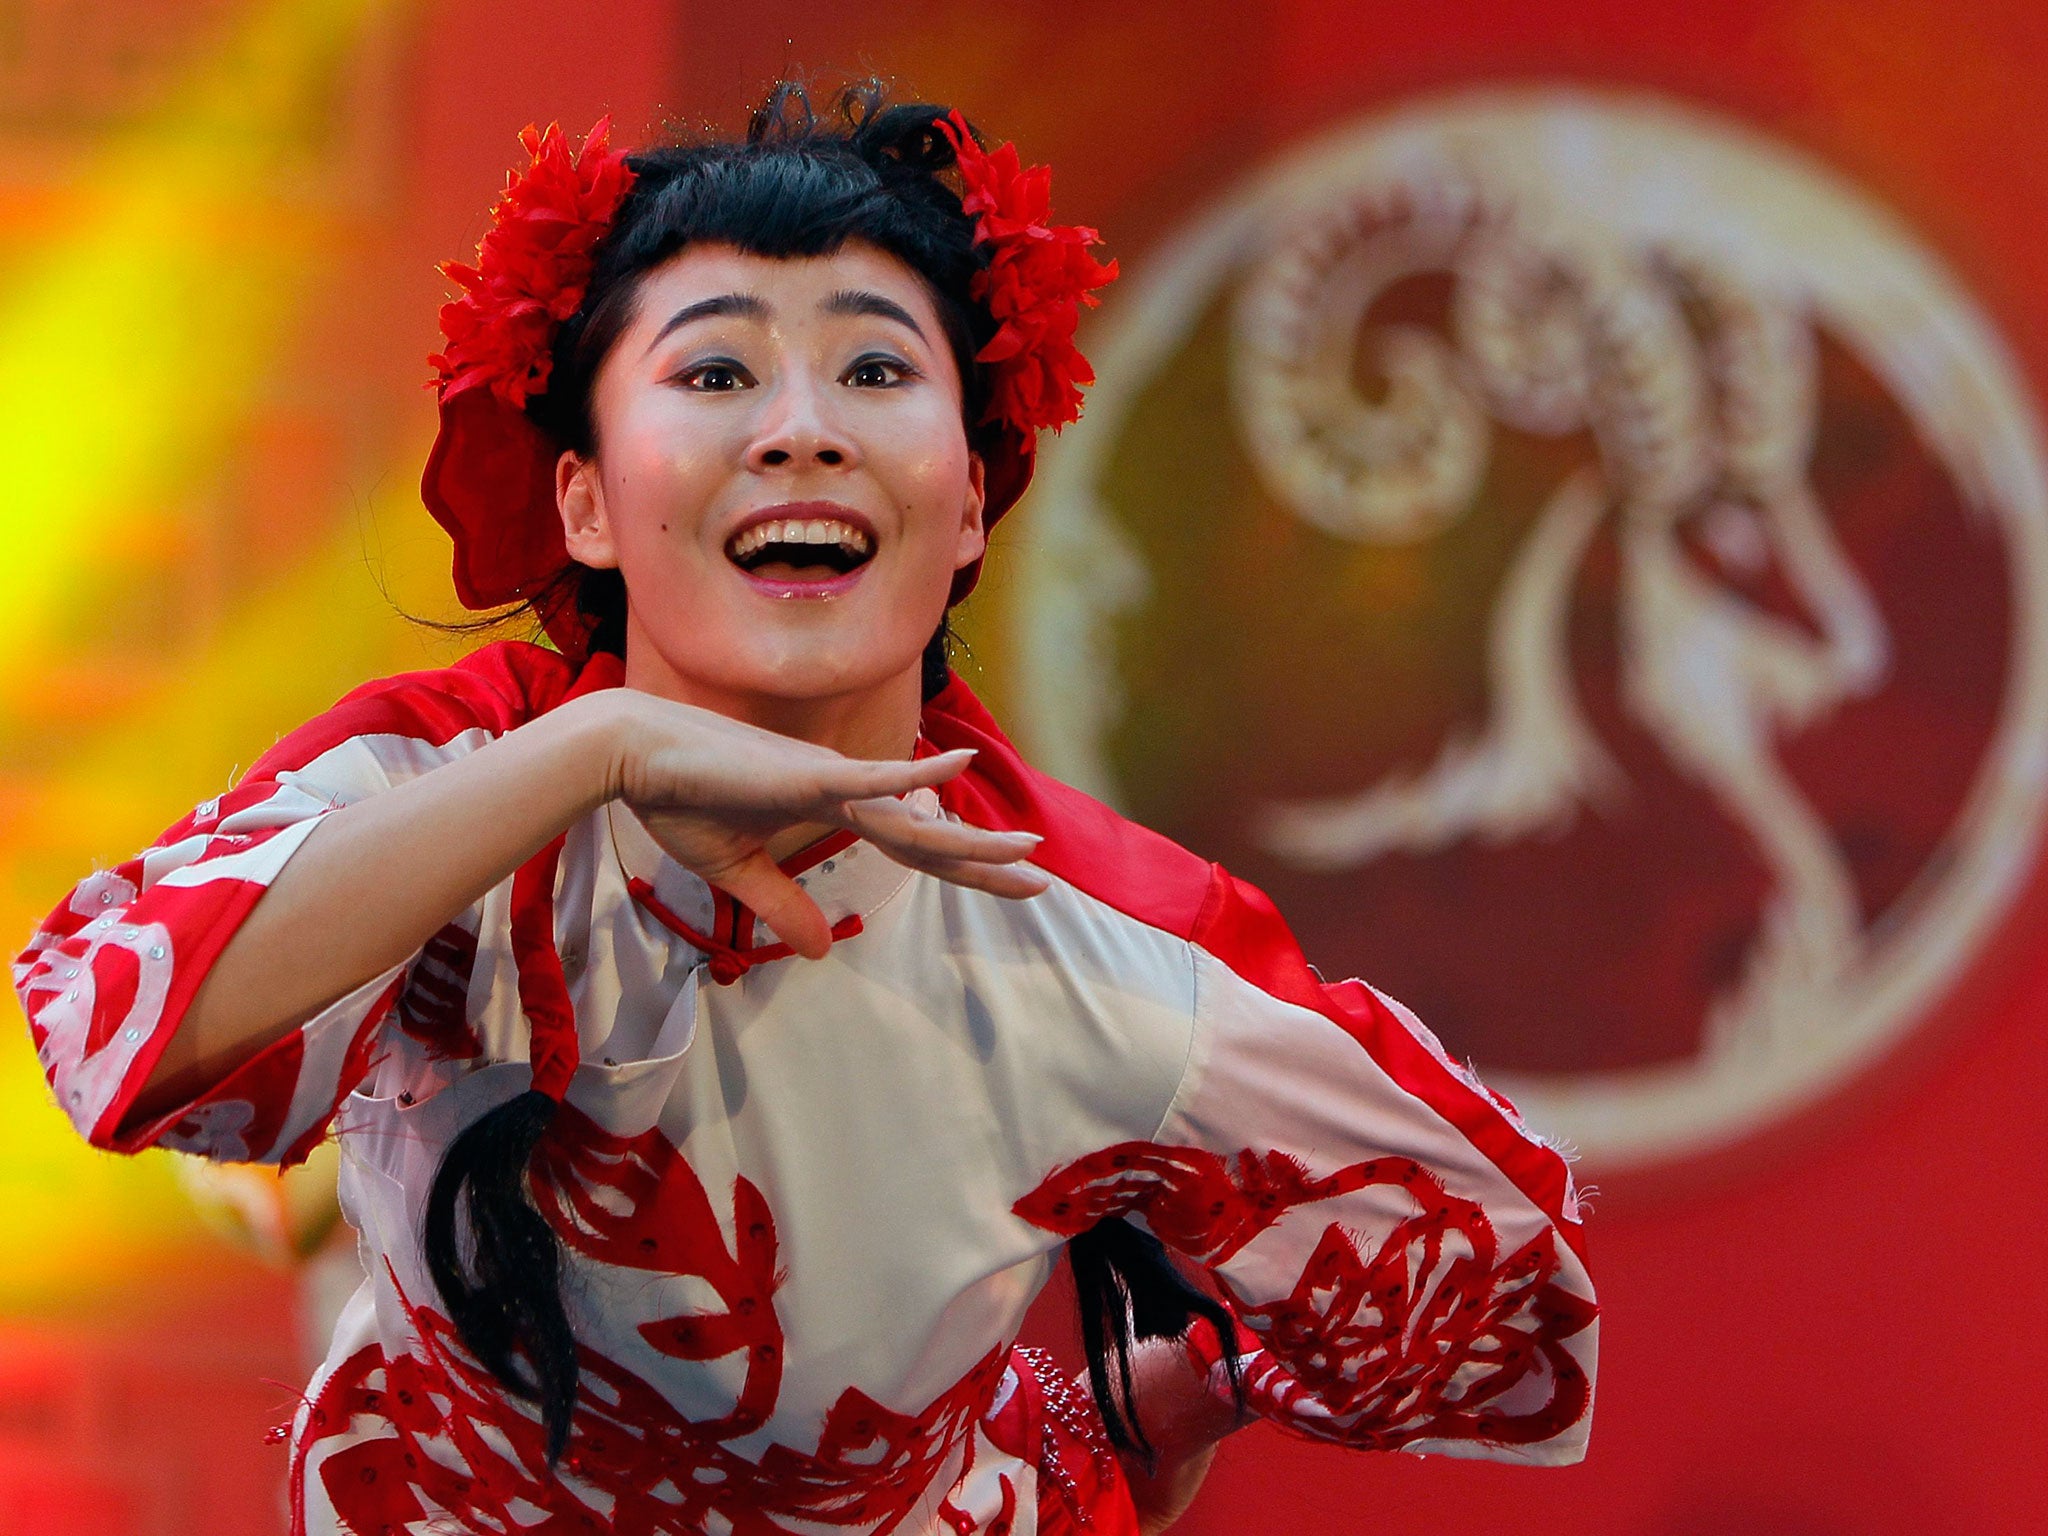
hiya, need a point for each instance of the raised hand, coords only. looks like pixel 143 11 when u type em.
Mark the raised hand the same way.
pixel 714 793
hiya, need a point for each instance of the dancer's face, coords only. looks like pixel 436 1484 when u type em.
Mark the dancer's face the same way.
pixel 781 475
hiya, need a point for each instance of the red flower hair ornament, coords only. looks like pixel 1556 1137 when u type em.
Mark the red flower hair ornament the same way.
pixel 490 479
pixel 1038 277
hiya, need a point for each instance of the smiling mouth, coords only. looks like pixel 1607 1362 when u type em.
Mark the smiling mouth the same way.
pixel 800 549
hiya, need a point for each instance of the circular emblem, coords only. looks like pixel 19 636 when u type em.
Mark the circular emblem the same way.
pixel 1588 563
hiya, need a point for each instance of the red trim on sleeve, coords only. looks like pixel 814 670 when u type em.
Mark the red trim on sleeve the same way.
pixel 496 688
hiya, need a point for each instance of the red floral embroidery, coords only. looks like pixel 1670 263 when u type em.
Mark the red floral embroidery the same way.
pixel 636 1203
pixel 1429 1336
pixel 457 1445
pixel 532 265
pixel 964 1524
pixel 1038 277
pixel 1195 1202
pixel 443 1436
pixel 434 1008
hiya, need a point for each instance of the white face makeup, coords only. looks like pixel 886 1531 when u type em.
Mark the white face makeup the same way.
pixel 782 477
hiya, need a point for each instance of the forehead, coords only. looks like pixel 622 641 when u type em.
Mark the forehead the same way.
pixel 791 286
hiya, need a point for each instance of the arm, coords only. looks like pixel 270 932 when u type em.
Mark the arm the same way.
pixel 206 974
pixel 379 877
pixel 370 885
pixel 1405 1259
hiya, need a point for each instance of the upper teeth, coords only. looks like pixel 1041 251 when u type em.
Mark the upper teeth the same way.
pixel 810 530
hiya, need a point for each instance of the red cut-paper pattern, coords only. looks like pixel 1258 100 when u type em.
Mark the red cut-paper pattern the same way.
pixel 434 1008
pixel 442 1436
pixel 636 1203
pixel 1196 1202
pixel 1429 1336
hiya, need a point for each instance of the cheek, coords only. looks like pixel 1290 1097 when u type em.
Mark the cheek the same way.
pixel 930 466
pixel 658 478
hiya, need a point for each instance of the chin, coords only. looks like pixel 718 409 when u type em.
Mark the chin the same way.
pixel 802 673
pixel 832 676
pixel 736 648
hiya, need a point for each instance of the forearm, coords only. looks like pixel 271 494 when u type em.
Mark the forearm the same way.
pixel 1165 1492
pixel 374 881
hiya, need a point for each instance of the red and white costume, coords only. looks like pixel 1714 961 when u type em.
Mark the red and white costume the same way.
pixel 805 1204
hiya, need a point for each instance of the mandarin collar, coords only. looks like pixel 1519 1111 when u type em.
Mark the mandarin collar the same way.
pixel 847 877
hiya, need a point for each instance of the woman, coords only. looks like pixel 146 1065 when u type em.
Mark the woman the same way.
pixel 724 1028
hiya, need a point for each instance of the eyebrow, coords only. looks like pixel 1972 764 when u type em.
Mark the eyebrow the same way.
pixel 742 306
pixel 860 301
pixel 751 306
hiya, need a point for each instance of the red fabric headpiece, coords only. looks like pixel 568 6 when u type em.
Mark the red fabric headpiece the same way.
pixel 490 479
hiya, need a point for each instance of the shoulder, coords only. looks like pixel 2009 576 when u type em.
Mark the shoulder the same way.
pixel 1110 1022
pixel 1262 982
pixel 1132 869
pixel 487 693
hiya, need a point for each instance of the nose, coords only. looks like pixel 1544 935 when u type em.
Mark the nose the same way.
pixel 799 428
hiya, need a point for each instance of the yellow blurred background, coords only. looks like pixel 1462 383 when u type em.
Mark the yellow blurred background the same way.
pixel 208 535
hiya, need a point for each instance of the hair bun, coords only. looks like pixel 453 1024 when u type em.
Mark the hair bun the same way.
pixel 907 135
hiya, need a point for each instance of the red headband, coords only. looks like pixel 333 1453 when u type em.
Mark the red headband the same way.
pixel 490 480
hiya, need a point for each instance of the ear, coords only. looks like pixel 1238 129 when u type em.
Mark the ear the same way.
pixel 973 536
pixel 586 526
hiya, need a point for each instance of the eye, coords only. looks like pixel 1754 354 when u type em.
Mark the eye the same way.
pixel 716 376
pixel 878 370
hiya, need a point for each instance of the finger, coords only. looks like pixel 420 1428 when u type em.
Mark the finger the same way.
pixel 892 824
pixel 1005 875
pixel 854 778
pixel 1016 882
pixel 776 900
pixel 946 864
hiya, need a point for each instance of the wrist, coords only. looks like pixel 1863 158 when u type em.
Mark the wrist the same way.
pixel 594 738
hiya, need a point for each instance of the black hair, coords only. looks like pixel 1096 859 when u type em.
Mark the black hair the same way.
pixel 794 186
pixel 1126 1288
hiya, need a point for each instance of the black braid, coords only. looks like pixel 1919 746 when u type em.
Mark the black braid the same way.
pixel 506 1299
pixel 1128 1288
